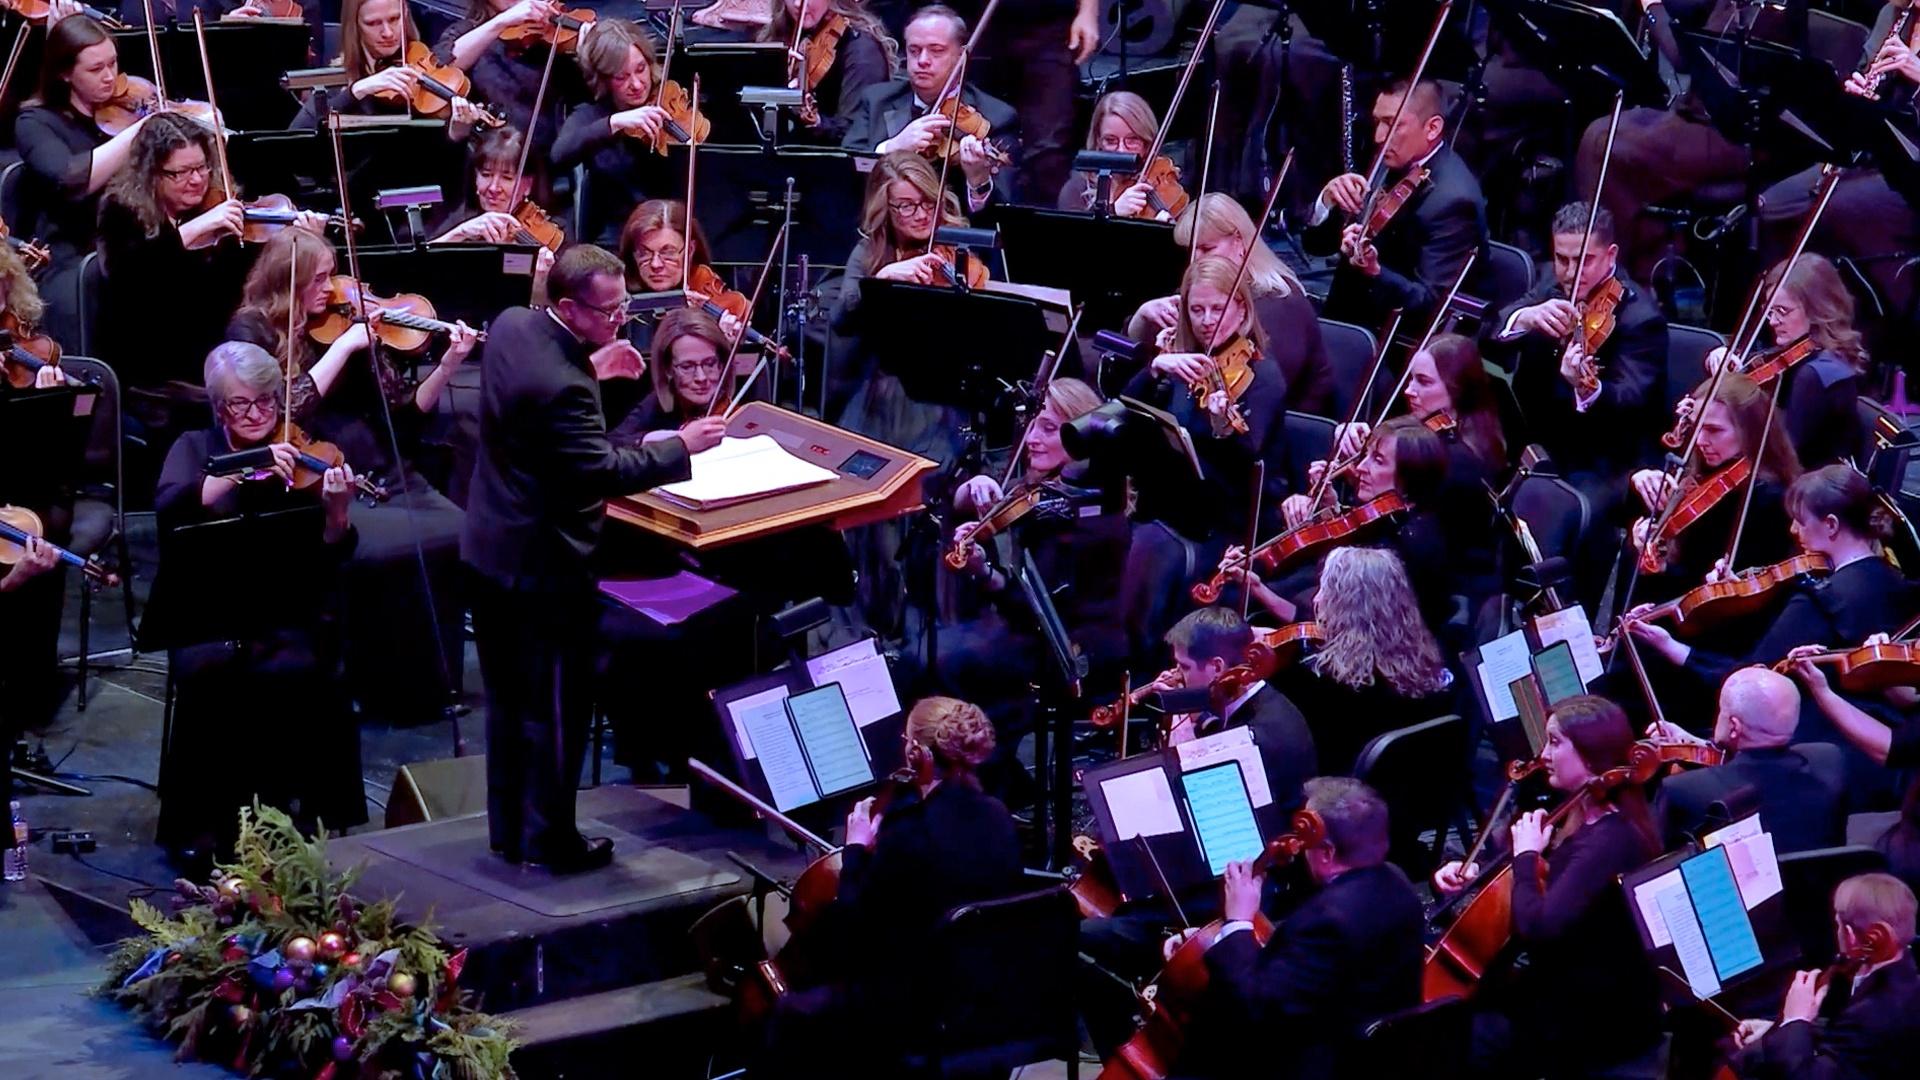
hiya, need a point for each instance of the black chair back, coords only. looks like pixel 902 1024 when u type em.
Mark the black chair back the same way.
pixel 1509 276
pixel 1687 349
pixel 985 1022
pixel 1428 1040
pixel 100 470
pixel 1417 769
pixel 1835 39
pixel 10 195
pixel 1309 439
pixel 92 284
pixel 1555 511
pixel 1350 353
pixel 1808 879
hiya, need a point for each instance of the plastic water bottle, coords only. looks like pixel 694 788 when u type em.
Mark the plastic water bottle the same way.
pixel 16 859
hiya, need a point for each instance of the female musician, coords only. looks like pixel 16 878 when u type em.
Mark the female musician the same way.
pixel 1819 403
pixel 689 349
pixel 613 133
pixel 485 212
pixel 653 245
pixel 1123 123
pixel 1380 668
pixel 68 158
pixel 1587 1003
pixel 286 665
pixel 866 56
pixel 1280 303
pixel 20 304
pixel 902 870
pixel 507 73
pixel 373 42
pixel 1731 429
pixel 163 220
pixel 1213 313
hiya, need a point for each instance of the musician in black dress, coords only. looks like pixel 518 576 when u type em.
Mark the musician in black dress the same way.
pixel 374 35
pixel 613 134
pixel 1586 971
pixel 33 587
pixel 866 56
pixel 506 74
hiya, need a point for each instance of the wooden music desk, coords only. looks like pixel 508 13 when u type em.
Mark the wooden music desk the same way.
pixel 874 482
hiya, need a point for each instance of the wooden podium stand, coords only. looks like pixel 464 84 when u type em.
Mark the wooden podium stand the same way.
pixel 873 482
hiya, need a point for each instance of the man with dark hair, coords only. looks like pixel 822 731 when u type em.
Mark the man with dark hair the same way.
pixel 1598 436
pixel 1205 644
pixel 1297 1005
pixel 543 473
pixel 1411 263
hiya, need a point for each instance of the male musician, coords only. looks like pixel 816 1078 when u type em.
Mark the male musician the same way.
pixel 1411 263
pixel 540 484
pixel 1871 1025
pixel 1596 438
pixel 1205 644
pixel 1350 953
pixel 899 115
pixel 1799 790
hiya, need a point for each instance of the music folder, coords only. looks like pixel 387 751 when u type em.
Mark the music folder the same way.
pixel 1713 918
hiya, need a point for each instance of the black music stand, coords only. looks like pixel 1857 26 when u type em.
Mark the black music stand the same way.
pixel 1055 688
pixel 49 427
pixel 248 58
pixel 725 68
pixel 197 562
pixel 914 335
pixel 474 282
pixel 1078 251
pixel 741 192
pixel 390 153
pixel 1385 36
pixel 1586 51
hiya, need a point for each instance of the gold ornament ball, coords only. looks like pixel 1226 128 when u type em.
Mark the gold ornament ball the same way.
pixel 401 984
pixel 298 949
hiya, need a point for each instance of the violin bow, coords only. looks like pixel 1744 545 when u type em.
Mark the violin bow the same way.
pixel 1206 170
pixel 1246 257
pixel 219 129
pixel 686 236
pixel 1753 478
pixel 1593 218
pixel 533 118
pixel 797 59
pixel 13 57
pixel 1376 172
pixel 766 355
pixel 1334 464
pixel 153 50
pixel 955 81
pixel 1180 89
pixel 1640 676
pixel 1253 534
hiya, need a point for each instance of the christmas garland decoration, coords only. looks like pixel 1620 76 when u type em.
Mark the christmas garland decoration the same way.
pixel 275 969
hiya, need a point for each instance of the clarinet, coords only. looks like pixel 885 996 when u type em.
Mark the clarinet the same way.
pixel 1346 115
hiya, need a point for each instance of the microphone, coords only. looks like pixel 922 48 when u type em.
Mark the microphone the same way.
pixel 1712 228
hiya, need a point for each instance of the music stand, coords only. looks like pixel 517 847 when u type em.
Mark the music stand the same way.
pixel 1586 51
pixel 474 282
pixel 386 154
pixel 937 366
pixel 1054 686
pixel 248 58
pixel 198 562
pixel 49 427
pixel 725 67
pixel 741 192
pixel 1077 251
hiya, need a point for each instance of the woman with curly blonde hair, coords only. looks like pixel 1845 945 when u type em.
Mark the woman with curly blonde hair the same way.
pixel 1380 667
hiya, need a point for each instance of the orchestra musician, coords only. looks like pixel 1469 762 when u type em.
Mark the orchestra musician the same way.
pixel 1594 438
pixel 613 133
pixel 1413 261
pixel 900 115
pixel 1280 302
pixel 507 74
pixel 866 56
pixel 684 362
pixel 1123 123
pixel 68 159
pixel 1797 788
pixel 1586 972
pixel 1820 401
pixel 942 843
pixel 544 471
pixel 373 39
pixel 653 245
pixel 1380 667
pixel 1348 954
pixel 489 199
pixel 1864 1022
pixel 289 659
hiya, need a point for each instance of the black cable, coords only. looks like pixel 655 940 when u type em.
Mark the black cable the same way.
pixel 149 785
pixel 147 888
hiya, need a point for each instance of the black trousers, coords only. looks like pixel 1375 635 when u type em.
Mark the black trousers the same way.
pixel 537 659
pixel 1027 65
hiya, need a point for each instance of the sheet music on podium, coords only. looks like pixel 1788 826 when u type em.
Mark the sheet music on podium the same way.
pixel 740 470
pixel 807 745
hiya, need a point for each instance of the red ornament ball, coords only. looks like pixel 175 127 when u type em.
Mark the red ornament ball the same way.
pixel 351 960
pixel 330 945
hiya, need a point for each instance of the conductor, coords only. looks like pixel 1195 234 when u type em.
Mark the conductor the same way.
pixel 541 479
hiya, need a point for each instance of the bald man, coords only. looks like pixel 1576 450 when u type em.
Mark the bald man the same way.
pixel 1798 789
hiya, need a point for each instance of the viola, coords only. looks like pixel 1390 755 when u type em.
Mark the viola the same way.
pixel 17 523
pixel 536 227
pixel 1596 325
pixel 1869 669
pixel 685 125
pixel 977 275
pixel 1289 643
pixel 1106 716
pixel 438 85
pixel 1150 1054
pixel 1165 195
pixel 562 30
pixel 1702 497
pixel 26 353
pixel 403 323
pixel 1091 882
pixel 1312 537
pixel 816 60
pixel 1024 500
pixel 1764 369
pixel 1746 593
pixel 36 11
pixel 1387 203
pixel 1440 422
pixel 135 98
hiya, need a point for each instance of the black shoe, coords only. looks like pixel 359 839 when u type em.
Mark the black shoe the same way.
pixel 593 853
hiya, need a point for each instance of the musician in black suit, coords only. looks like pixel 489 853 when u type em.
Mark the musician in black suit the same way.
pixel 1205 644
pixel 541 479
pixel 897 115
pixel 1351 952
pixel 1412 262
pixel 1596 438
pixel 1867 1026
pixel 1798 790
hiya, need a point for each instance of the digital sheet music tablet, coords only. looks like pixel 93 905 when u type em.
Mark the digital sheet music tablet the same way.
pixel 1558 673
pixel 1222 814
pixel 829 739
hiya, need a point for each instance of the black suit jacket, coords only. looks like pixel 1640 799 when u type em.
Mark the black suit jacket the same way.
pixel 1285 742
pixel 1421 249
pixel 1875 1034
pixel 544 468
pixel 1618 431
pixel 883 111
pixel 1800 793
pixel 1349 954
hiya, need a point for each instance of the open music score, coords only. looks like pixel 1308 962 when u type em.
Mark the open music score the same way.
pixel 871 482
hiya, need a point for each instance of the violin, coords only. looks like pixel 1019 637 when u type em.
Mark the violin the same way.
pixel 17 524
pixel 1746 593
pixel 1106 716
pixel 1091 882
pixel 1310 537
pixel 1165 195
pixel 1025 499
pixel 1259 663
pixel 1693 505
pixel 816 60
pixel 37 11
pixel 1231 374
pixel 135 98
pixel 717 298
pixel 438 85
pixel 966 121
pixel 1462 956
pixel 280 9
pixel 1440 422
pixel 312 459
pixel 1778 362
pixel 1596 325
pixel 33 254
pixel 403 323
pixel 976 276
pixel 1289 643
pixel 685 124
pixel 1677 754
pixel 27 352
pixel 1869 669
pixel 562 30
pixel 1152 1051
pixel 537 228
pixel 1387 203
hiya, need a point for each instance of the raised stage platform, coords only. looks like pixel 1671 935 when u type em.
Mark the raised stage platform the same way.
pixel 596 968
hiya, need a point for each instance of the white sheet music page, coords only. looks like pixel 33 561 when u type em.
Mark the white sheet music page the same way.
pixel 742 469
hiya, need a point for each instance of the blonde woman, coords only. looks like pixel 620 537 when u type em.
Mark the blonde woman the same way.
pixel 1123 123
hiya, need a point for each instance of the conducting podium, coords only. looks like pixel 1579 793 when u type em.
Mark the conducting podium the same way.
pixel 778 471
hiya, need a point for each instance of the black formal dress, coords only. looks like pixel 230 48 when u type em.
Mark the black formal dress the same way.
pixel 622 171
pixel 1868 1032
pixel 544 473
pixel 860 62
pixel 506 79
pixel 56 150
pixel 884 110
pixel 1799 792
pixel 1227 461
pixel 30 679
pixel 146 333
pixel 1821 407
pixel 1421 250
pixel 1296 1008
pixel 1294 343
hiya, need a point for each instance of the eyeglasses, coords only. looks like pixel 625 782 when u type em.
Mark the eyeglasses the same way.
pixel 613 313
pixel 202 169
pixel 1131 143
pixel 237 408
pixel 664 256
pixel 912 209
pixel 697 367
